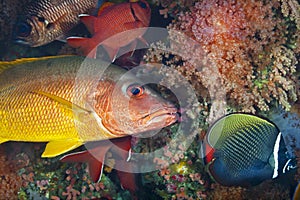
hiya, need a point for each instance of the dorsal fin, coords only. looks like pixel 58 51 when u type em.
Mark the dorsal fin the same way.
pixel 104 6
pixel 4 65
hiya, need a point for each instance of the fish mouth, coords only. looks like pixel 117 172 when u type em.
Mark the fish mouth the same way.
pixel 161 117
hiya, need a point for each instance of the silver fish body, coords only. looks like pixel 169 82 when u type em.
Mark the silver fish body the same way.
pixel 44 21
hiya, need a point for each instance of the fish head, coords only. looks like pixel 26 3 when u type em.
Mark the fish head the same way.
pixel 130 107
pixel 34 31
pixel 141 11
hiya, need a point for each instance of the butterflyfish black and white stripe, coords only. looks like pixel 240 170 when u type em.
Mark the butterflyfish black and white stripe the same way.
pixel 247 150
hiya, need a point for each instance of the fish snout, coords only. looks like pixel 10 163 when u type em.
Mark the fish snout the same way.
pixel 161 116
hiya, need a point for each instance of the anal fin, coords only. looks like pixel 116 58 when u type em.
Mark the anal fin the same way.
pixel 57 147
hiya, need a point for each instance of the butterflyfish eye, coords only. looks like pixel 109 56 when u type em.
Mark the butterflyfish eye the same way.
pixel 23 29
pixel 135 90
pixel 142 4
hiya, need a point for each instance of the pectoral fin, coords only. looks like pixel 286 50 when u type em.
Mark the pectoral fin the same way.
pixel 55 148
pixel 75 109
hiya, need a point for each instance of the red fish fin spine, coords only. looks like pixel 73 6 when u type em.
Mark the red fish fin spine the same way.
pixel 89 21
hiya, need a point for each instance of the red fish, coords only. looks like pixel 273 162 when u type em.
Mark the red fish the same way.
pixel 111 20
pixel 95 157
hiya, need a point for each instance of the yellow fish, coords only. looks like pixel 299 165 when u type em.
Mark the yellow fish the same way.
pixel 69 100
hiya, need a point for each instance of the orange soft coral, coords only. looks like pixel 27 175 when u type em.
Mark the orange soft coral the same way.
pixel 240 39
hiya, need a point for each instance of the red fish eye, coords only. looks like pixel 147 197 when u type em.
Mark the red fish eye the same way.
pixel 135 90
pixel 142 4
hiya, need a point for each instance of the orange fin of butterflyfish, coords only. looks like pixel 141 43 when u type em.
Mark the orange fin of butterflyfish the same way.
pixel 94 156
pixel 104 6
pixel 57 147
pixel 89 21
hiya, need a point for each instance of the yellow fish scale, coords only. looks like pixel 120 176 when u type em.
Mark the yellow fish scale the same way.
pixel 28 116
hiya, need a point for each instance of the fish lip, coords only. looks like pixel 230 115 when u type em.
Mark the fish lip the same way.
pixel 165 112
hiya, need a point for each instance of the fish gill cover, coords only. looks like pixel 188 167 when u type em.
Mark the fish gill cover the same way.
pixel 248 62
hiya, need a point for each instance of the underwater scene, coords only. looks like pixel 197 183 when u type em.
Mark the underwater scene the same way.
pixel 149 99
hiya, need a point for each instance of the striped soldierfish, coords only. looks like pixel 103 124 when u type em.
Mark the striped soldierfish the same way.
pixel 41 100
pixel 44 21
